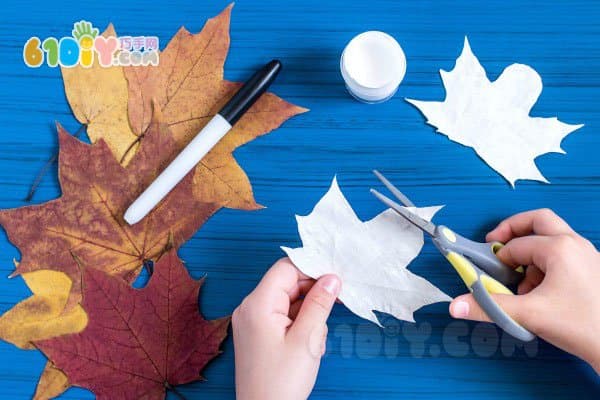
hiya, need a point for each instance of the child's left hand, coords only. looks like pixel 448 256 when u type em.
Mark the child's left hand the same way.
pixel 279 337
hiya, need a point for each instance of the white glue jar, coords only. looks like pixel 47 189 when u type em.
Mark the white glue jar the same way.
pixel 373 65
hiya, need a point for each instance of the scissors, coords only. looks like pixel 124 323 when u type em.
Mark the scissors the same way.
pixel 475 262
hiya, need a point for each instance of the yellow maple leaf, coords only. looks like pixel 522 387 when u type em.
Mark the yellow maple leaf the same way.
pixel 98 98
pixel 42 315
pixel 53 382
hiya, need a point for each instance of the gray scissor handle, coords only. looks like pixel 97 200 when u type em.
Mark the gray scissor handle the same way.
pixel 483 255
pixel 498 315
pixel 474 277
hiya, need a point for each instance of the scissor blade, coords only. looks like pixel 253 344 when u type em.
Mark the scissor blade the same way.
pixel 424 225
pixel 398 194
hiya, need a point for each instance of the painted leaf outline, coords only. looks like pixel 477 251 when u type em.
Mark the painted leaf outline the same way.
pixel 493 117
pixel 370 257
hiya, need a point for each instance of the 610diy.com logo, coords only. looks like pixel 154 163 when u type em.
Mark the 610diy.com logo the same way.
pixel 86 44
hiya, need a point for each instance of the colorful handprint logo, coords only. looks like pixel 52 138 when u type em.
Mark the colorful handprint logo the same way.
pixel 85 33
pixel 85 45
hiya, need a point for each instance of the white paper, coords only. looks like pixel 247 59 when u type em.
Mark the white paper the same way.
pixel 493 117
pixel 370 257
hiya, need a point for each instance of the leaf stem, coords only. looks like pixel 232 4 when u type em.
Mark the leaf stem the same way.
pixel 44 169
pixel 176 392
pixel 168 246
pixel 149 266
pixel 130 147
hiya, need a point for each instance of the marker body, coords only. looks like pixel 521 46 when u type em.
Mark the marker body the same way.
pixel 191 155
pixel 204 141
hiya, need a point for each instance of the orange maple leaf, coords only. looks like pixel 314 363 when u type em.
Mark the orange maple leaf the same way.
pixel 188 86
pixel 85 225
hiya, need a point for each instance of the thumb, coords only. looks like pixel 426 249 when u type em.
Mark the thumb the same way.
pixel 316 307
pixel 518 307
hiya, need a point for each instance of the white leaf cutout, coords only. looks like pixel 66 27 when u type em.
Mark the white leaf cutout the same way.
pixel 369 257
pixel 493 117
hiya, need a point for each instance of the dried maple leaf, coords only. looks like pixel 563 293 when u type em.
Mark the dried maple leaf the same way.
pixel 493 117
pixel 139 342
pixel 52 383
pixel 98 98
pixel 188 85
pixel 86 224
pixel 43 315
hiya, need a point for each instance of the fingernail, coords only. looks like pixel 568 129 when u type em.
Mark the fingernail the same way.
pixel 331 284
pixel 459 309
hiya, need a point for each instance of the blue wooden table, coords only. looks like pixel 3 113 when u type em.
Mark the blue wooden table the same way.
pixel 292 167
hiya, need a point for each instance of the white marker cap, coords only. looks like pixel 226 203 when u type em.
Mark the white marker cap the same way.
pixel 373 65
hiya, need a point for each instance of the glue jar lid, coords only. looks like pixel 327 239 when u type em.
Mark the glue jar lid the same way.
pixel 373 65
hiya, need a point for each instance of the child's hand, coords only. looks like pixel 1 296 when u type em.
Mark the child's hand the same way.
pixel 558 299
pixel 279 337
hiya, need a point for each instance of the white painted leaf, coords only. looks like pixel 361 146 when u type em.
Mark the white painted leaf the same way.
pixel 370 257
pixel 493 117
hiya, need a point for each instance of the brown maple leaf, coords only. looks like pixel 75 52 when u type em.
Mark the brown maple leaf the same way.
pixel 138 342
pixel 188 85
pixel 85 225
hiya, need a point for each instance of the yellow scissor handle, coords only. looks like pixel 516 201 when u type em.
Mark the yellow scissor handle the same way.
pixel 470 275
pixel 496 246
pixel 482 285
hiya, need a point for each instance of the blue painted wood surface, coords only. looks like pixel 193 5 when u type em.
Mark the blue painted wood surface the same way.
pixel 292 167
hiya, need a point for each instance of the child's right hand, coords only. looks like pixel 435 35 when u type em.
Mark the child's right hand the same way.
pixel 559 298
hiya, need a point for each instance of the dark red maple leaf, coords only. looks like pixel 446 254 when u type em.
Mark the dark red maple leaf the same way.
pixel 138 342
